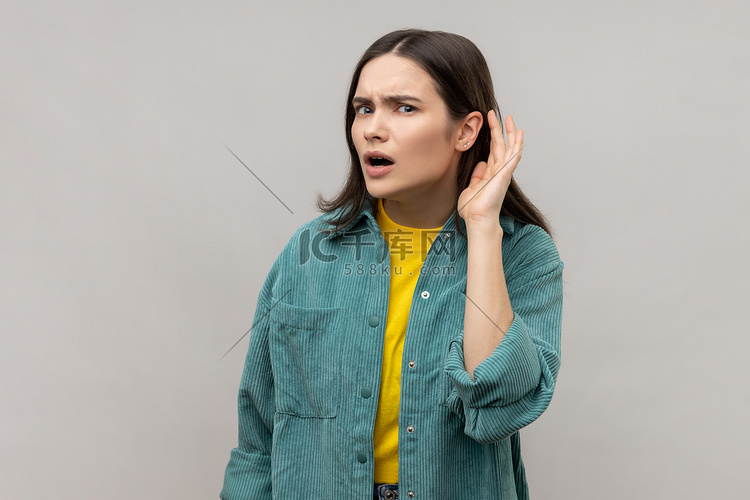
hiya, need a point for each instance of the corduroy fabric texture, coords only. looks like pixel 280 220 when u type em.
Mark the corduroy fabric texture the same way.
pixel 308 393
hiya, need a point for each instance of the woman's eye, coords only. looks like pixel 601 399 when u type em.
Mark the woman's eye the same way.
pixel 363 110
pixel 405 108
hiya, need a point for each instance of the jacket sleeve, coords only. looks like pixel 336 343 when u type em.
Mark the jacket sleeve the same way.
pixel 514 385
pixel 248 474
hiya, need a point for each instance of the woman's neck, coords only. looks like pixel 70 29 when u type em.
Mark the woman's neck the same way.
pixel 423 213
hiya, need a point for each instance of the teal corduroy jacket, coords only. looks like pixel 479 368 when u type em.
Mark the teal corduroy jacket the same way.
pixel 308 394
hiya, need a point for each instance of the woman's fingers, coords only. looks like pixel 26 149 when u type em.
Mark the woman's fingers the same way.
pixel 515 143
pixel 478 173
pixel 497 149
pixel 519 143
pixel 514 154
pixel 510 128
pixel 502 155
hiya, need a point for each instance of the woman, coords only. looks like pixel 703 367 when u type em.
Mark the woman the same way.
pixel 403 338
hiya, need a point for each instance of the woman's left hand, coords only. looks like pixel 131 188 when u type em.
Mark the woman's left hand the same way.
pixel 482 200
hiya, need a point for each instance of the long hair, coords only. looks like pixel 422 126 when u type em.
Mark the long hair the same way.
pixel 462 79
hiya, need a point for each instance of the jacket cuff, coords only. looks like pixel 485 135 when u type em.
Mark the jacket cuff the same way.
pixel 247 475
pixel 505 376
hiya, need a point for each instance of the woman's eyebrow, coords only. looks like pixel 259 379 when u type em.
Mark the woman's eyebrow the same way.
pixel 387 99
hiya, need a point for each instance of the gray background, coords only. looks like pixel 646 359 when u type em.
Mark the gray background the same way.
pixel 133 244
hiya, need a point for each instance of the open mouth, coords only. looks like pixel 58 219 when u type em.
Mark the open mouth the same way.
pixel 378 159
pixel 380 162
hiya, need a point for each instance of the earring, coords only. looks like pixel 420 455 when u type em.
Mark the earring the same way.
pixel 466 145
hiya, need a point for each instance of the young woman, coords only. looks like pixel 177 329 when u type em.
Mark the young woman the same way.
pixel 403 338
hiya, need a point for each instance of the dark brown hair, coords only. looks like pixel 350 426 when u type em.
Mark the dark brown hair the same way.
pixel 462 79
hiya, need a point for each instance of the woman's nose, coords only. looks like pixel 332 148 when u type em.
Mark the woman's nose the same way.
pixel 376 128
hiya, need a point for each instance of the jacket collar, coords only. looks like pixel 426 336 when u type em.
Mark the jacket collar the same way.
pixel 508 224
pixel 367 213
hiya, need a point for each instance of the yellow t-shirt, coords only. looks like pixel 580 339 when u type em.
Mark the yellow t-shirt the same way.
pixel 408 248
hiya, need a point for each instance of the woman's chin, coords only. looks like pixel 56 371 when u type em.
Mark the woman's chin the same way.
pixel 377 190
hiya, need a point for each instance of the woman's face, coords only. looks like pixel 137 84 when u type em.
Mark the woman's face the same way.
pixel 406 142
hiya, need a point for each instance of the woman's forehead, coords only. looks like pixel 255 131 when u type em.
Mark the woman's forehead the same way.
pixel 394 75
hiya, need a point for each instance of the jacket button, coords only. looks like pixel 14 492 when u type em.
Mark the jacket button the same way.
pixel 410 494
pixel 361 457
pixel 366 392
pixel 412 364
pixel 425 294
pixel 410 429
pixel 374 321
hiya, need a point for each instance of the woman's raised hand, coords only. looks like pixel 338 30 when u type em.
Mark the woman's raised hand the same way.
pixel 482 200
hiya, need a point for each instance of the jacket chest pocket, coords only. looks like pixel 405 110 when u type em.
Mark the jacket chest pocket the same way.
pixel 305 348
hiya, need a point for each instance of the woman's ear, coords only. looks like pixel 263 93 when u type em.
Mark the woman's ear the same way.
pixel 469 130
